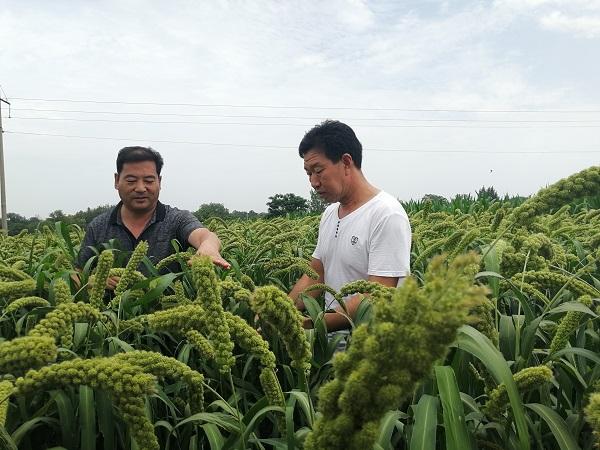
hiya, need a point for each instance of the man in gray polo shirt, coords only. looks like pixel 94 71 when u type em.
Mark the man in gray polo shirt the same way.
pixel 139 216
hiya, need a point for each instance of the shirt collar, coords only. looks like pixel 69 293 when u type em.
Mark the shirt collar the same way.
pixel 158 216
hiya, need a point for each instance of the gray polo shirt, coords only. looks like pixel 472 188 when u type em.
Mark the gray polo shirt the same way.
pixel 167 223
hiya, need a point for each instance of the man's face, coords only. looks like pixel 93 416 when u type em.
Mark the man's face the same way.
pixel 138 185
pixel 325 176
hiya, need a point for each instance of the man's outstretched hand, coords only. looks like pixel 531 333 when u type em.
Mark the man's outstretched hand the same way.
pixel 208 244
pixel 215 257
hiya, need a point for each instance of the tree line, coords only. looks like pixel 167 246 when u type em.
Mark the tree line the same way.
pixel 293 205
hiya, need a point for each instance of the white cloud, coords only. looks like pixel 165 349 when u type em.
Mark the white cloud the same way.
pixel 355 14
pixel 347 53
pixel 586 26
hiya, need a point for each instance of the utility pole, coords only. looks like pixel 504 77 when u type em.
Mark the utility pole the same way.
pixel 2 179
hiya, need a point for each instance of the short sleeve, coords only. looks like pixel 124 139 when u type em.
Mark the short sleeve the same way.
pixel 389 249
pixel 318 249
pixel 186 223
pixel 318 252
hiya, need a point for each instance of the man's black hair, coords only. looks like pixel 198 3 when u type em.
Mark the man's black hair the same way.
pixel 138 154
pixel 333 138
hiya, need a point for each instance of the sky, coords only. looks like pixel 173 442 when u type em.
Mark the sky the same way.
pixel 445 96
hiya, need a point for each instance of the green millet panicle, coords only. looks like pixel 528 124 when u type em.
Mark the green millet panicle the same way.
pixel 208 295
pixel 299 267
pixel 484 314
pixel 281 262
pixel 545 279
pixel 6 390
pixel 556 195
pixel 60 321
pixel 177 319
pixel 364 287
pixel 460 247
pixel 194 317
pixel 24 353
pixel 282 238
pixel 136 275
pixel 127 279
pixel 180 292
pixel 12 274
pixel 275 307
pixel 201 344
pixel 272 389
pixel 434 246
pixel 526 288
pixel 409 332
pixel 322 287
pixel 62 292
pixel 126 383
pixel 454 239
pixel 105 263
pixel 185 256
pixel 247 282
pixel 526 380
pixel 233 289
pixel 25 302
pixel 162 367
pixel 592 415
pixel 568 324
pixel 249 340
pixel 12 289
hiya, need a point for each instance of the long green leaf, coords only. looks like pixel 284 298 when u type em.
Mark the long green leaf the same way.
pixel 214 436
pixel 29 426
pixel 386 429
pixel 457 435
pixel 87 418
pixel 6 440
pixel 66 414
pixel 557 425
pixel 221 420
pixel 424 429
pixel 106 420
pixel 572 306
pixel 588 354
pixel 475 343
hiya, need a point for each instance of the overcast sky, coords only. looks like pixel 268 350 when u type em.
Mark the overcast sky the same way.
pixel 445 96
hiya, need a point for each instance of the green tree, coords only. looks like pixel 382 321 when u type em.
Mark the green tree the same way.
pixel 487 193
pixel 207 210
pixel 235 214
pixel 282 204
pixel 316 204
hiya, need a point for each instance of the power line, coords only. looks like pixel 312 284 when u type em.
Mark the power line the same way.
pixel 279 147
pixel 355 108
pixel 251 116
pixel 184 122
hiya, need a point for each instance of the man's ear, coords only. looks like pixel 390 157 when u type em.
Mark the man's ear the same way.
pixel 347 160
pixel 116 180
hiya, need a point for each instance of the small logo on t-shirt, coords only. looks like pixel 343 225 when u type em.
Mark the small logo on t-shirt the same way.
pixel 354 240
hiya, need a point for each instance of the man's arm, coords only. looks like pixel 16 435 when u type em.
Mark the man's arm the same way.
pixel 305 281
pixel 338 321
pixel 207 243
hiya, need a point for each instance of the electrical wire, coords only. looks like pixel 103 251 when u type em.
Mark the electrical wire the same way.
pixel 355 108
pixel 279 147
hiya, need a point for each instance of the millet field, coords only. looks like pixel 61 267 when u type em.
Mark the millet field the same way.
pixel 492 343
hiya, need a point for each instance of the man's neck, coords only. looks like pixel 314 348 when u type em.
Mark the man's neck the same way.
pixel 136 221
pixel 361 193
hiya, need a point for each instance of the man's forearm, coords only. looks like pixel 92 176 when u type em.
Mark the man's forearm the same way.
pixel 205 239
pixel 302 284
pixel 338 320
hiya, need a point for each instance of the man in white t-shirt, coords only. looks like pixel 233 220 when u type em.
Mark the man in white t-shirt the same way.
pixel 364 234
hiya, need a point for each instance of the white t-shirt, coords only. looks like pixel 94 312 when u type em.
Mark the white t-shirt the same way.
pixel 372 240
